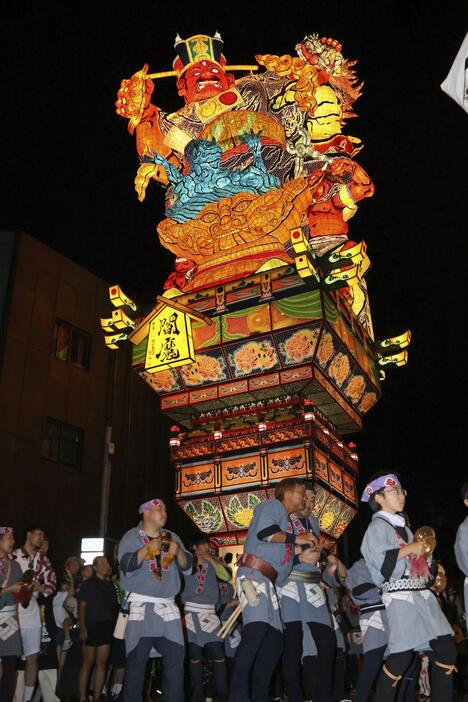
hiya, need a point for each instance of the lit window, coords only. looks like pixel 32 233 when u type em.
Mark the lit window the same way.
pixel 62 341
pixel 71 344
pixel 50 448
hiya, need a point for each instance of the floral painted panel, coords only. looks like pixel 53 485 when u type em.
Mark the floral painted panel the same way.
pixel 209 367
pixel 321 496
pixel 326 348
pixel 355 387
pixel 369 399
pixel 298 346
pixel 330 514
pixel 345 373
pixel 162 382
pixel 252 357
pixel 206 514
pixel 339 369
pixel 238 509
pixel 346 516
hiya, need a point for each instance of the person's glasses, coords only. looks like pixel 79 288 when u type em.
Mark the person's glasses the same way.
pixel 396 491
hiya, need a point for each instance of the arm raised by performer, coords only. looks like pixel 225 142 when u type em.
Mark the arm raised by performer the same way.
pixel 267 558
pixel 304 608
pixel 151 560
pixel 154 518
pixel 293 498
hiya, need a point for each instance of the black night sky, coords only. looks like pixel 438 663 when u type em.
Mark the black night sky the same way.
pixel 68 165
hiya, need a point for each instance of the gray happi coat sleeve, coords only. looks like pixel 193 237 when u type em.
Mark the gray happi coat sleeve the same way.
pixel 461 547
pixel 380 550
pixel 188 568
pixel 129 546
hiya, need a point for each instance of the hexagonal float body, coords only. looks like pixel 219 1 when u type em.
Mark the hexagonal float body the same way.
pixel 282 370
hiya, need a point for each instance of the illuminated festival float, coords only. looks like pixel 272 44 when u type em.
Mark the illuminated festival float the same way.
pixel 261 347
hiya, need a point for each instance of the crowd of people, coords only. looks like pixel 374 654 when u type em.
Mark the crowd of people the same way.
pixel 296 623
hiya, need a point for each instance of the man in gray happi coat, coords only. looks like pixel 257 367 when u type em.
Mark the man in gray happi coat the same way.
pixel 303 602
pixel 268 556
pixel 461 548
pixel 151 559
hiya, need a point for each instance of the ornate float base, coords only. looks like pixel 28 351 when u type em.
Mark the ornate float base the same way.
pixel 281 371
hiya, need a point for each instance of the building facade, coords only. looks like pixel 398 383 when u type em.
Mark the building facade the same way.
pixel 82 440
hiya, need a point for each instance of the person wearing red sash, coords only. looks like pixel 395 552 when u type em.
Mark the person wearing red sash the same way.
pixel 31 558
pixel 398 565
pixel 202 623
pixel 151 559
pixel 268 557
pixel 303 605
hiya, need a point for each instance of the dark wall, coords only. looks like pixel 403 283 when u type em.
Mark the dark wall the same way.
pixel 140 466
pixel 7 259
pixel 35 385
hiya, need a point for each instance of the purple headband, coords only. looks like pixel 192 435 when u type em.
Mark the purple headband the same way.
pixel 377 484
pixel 150 504
pixel 6 530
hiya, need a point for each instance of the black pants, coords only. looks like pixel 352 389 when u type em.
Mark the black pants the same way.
pixel 372 662
pixel 292 640
pixel 8 678
pixel 256 659
pixel 410 681
pixel 317 670
pixel 215 651
pixel 173 661
pixel 339 690
pixel 351 670
pixel 444 651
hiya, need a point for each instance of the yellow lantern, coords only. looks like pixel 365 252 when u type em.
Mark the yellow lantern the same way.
pixel 121 320
pixel 396 359
pixel 170 341
pixel 119 298
pixel 107 324
pixel 168 328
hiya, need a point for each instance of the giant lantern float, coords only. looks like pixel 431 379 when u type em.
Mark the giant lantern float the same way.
pixel 261 347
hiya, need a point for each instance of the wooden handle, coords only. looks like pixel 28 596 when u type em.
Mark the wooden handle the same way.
pixel 229 623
